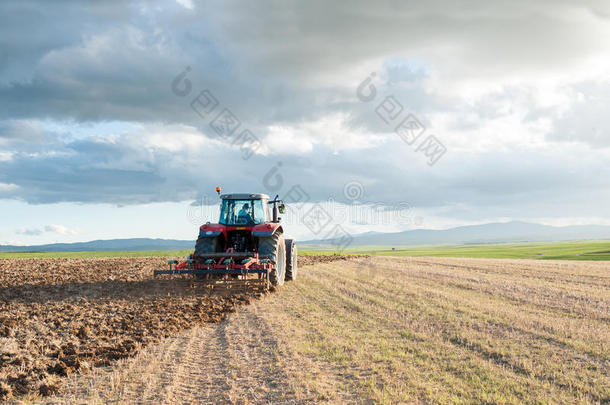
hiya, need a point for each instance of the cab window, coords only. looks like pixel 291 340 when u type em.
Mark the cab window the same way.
pixel 242 212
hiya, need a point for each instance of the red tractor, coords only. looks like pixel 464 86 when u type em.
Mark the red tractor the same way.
pixel 247 243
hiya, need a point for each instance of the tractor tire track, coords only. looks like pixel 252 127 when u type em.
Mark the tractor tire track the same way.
pixel 256 357
pixel 146 391
pixel 201 374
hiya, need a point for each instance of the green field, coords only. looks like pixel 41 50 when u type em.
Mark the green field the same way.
pixel 585 250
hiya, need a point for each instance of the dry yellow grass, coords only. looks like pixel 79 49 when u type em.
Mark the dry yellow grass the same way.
pixel 460 330
pixel 390 330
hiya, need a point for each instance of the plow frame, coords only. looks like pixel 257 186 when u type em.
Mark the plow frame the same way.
pixel 223 264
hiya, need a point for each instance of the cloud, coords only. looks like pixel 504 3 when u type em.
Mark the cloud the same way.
pixel 56 229
pixel 6 188
pixel 29 232
pixel 516 92
pixel 282 62
pixel 186 3
pixel 60 229
pixel 586 120
pixel 157 163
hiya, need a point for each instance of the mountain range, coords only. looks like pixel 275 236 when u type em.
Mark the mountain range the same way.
pixel 131 245
pixel 487 233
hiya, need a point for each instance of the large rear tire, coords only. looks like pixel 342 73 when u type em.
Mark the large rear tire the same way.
pixel 205 245
pixel 274 248
pixel 292 265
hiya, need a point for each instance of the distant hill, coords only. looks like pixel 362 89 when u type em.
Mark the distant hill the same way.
pixel 487 233
pixel 137 244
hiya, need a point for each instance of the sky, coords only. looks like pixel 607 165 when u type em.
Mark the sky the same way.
pixel 118 119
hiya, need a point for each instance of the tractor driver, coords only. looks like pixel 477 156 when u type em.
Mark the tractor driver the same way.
pixel 243 217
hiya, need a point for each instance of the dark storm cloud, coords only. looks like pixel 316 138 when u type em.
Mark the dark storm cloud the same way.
pixel 29 31
pixel 76 174
pixel 272 62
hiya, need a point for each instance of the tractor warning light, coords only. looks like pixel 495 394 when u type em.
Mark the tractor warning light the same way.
pixel 218 190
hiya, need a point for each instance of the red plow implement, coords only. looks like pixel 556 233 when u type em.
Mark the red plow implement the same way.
pixel 224 268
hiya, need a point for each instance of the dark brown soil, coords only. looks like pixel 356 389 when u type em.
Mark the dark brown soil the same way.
pixel 307 260
pixel 59 316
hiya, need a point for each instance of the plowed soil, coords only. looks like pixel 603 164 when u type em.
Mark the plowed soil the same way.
pixel 58 316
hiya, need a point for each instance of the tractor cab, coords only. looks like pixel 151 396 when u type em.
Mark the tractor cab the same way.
pixel 244 209
pixel 248 209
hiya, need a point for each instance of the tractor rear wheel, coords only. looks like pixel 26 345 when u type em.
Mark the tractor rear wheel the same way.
pixel 291 260
pixel 274 248
pixel 205 245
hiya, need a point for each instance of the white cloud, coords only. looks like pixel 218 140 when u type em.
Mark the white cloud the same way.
pixel 54 229
pixel 60 229
pixel 186 3
pixel 331 131
pixel 29 231
pixel 8 187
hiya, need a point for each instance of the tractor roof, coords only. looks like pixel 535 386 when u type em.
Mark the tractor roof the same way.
pixel 244 196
